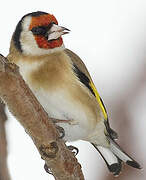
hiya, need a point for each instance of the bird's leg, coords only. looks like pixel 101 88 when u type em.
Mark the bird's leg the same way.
pixel 70 122
pixel 74 149
pixel 60 129
pixel 61 121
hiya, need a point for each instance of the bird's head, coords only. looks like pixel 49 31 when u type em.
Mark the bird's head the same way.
pixel 38 33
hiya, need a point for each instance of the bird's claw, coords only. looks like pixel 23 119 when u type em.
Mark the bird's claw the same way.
pixel 47 169
pixel 74 149
pixel 61 131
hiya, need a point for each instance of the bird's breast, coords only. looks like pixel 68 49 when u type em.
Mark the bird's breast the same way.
pixel 61 95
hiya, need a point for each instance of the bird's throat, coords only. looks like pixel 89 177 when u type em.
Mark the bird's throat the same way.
pixel 42 42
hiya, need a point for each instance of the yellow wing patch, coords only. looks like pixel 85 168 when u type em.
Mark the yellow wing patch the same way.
pixel 99 100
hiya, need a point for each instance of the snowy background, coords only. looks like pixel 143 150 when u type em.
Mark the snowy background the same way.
pixel 110 37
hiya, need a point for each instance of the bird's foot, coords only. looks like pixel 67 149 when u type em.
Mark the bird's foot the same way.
pixel 47 169
pixel 61 131
pixel 74 149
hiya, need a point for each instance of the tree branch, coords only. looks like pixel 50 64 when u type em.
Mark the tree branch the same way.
pixel 27 110
pixel 4 174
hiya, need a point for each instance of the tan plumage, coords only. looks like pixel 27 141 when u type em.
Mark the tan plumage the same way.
pixel 54 75
pixel 63 85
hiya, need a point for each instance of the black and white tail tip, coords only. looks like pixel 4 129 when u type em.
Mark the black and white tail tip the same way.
pixel 116 149
pixel 114 156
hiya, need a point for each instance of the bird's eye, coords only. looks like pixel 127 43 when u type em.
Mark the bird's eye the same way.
pixel 50 25
pixel 39 30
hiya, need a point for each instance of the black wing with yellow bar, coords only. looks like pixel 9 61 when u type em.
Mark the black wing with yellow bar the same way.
pixel 86 81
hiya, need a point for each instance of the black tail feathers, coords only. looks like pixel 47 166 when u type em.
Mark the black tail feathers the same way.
pixel 114 156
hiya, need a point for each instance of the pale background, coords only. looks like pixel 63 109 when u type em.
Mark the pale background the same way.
pixel 110 36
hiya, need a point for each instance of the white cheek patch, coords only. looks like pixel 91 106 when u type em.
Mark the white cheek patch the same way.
pixel 26 23
pixel 28 43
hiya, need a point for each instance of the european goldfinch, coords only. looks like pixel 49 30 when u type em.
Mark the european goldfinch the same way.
pixel 63 86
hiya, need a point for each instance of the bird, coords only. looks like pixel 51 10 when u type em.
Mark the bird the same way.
pixel 62 84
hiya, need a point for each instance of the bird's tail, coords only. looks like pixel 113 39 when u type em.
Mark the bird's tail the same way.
pixel 114 156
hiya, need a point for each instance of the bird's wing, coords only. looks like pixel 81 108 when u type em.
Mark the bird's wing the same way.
pixel 84 76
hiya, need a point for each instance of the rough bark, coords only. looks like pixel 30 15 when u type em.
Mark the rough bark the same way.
pixel 27 110
pixel 4 174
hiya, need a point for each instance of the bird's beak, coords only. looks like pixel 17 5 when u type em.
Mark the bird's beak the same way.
pixel 56 31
